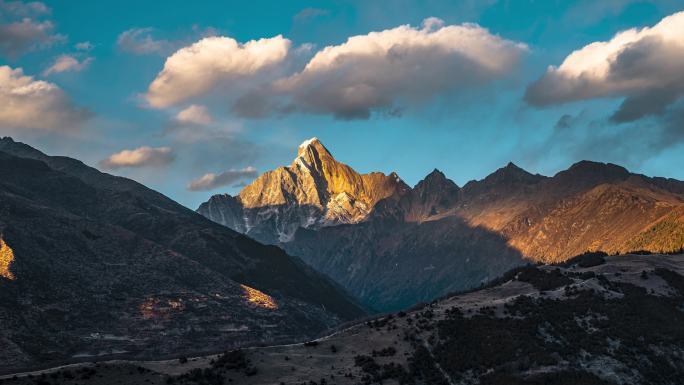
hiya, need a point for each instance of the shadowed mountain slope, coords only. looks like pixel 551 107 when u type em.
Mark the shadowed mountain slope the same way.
pixel 100 265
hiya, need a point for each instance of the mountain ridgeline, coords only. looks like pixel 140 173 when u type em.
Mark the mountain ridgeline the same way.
pixel 94 266
pixel 392 245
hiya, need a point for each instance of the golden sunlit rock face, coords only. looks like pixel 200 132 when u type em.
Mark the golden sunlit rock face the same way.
pixel 6 259
pixel 259 298
pixel 317 180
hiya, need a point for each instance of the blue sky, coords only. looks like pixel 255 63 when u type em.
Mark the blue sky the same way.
pixel 431 110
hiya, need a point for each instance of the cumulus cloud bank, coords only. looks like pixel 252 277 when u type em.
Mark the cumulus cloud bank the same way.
pixel 367 73
pixel 642 65
pixel 196 69
pixel 211 181
pixel 376 70
pixel 26 103
pixel 20 31
pixel 67 63
pixel 140 157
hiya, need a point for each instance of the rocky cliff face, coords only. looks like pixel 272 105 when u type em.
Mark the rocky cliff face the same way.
pixel 93 265
pixel 313 192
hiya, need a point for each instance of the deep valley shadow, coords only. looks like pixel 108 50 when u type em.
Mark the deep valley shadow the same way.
pixel 391 265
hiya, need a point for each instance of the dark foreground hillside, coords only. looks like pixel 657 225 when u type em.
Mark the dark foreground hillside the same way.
pixel 95 266
pixel 596 320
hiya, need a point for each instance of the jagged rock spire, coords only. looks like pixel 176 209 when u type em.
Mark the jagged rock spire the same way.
pixel 315 190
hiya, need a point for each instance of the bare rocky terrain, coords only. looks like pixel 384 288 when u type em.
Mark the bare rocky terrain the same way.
pixel 314 191
pixel 593 320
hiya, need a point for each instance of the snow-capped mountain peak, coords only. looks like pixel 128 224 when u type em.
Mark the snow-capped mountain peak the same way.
pixel 309 142
pixel 314 191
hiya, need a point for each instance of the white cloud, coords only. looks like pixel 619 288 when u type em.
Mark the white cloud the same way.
pixel 310 13
pixel 198 68
pixel 19 37
pixel 140 41
pixel 211 181
pixel 643 65
pixel 66 63
pixel 194 114
pixel 84 46
pixel 140 157
pixel 372 72
pixel 403 64
pixel 20 31
pixel 26 103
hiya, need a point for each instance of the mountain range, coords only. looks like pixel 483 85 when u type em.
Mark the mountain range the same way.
pixel 392 245
pixel 96 267
pixel 93 266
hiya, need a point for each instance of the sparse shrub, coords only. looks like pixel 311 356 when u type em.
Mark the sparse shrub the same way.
pixel 232 360
pixel 386 352
pixel 543 280
pixel 587 259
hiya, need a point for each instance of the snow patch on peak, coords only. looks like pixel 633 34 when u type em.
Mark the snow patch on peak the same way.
pixel 308 142
pixel 301 162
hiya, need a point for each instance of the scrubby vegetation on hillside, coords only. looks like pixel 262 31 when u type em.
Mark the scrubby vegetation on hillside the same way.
pixel 666 236
pixel 635 334
pixel 596 320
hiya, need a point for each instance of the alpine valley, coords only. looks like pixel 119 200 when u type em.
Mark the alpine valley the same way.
pixel 392 246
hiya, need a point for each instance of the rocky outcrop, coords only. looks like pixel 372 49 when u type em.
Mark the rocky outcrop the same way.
pixel 313 192
pixel 6 259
